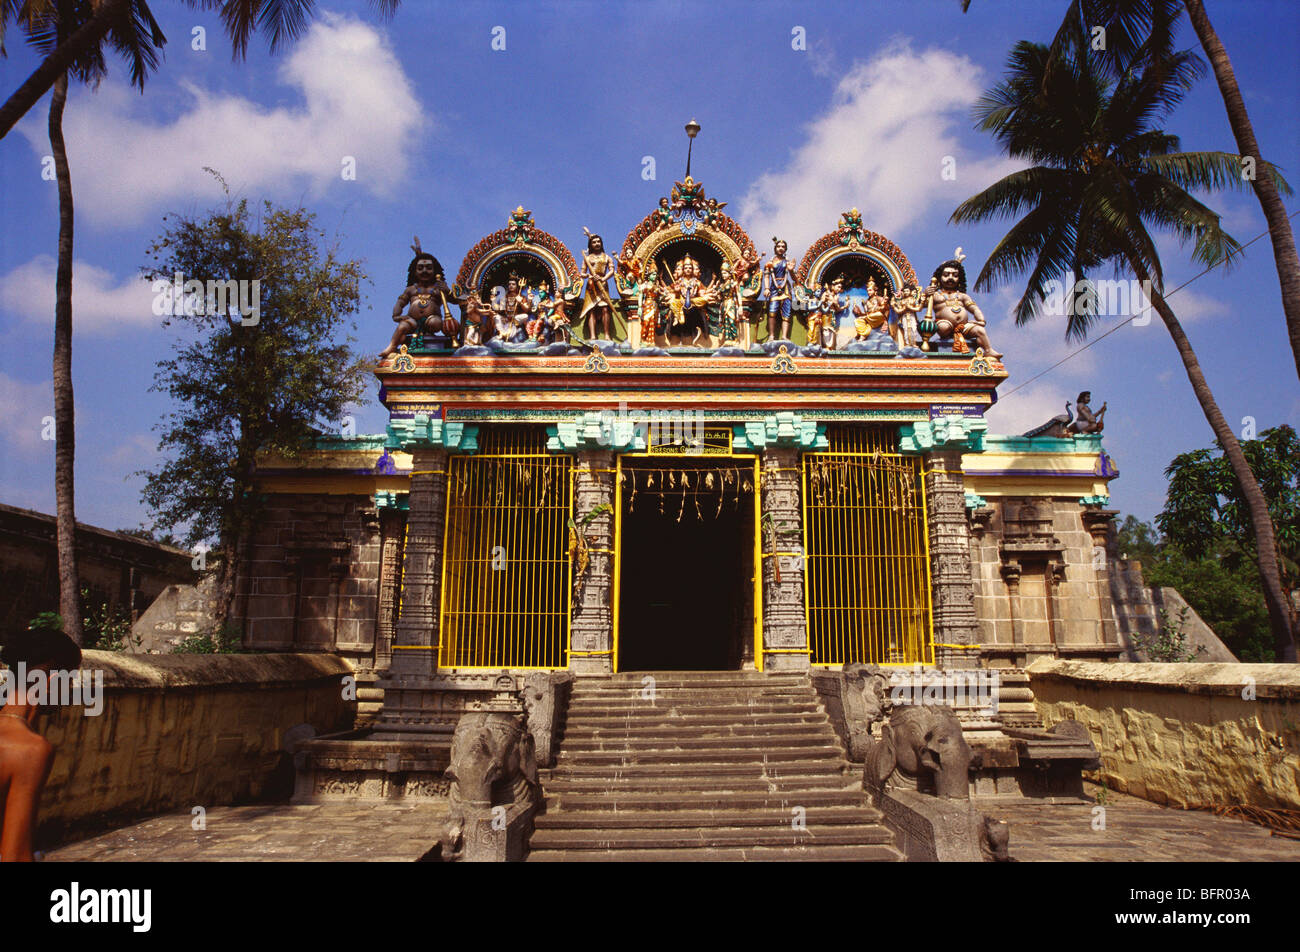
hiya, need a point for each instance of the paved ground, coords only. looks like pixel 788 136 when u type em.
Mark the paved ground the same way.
pixel 325 833
pixel 1135 831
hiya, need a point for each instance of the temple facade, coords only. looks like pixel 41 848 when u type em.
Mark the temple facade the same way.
pixel 682 457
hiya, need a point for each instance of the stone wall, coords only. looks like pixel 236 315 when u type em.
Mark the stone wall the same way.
pixel 125 572
pixel 1137 611
pixel 1042 587
pixel 312 577
pixel 1184 734
pixel 180 731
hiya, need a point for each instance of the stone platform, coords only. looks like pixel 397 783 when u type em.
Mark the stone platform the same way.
pixel 1041 831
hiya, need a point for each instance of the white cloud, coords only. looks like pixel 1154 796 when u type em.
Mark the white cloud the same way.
pixel 100 303
pixel 26 405
pixel 356 101
pixel 880 147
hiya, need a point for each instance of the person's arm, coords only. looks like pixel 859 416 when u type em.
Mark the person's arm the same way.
pixel 23 799
pixel 975 311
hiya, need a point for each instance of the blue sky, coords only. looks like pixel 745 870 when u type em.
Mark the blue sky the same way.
pixel 449 135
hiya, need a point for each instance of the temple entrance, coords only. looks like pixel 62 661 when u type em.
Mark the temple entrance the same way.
pixel 687 596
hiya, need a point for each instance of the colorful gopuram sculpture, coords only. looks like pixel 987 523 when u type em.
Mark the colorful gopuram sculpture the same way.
pixel 689 277
pixel 954 316
pixel 425 302
pixel 778 292
pixel 596 304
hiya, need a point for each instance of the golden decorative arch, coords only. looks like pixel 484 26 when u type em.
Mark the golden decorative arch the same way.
pixel 690 217
pixel 851 239
pixel 520 238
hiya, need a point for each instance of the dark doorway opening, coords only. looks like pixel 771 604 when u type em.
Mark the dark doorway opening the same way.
pixel 686 600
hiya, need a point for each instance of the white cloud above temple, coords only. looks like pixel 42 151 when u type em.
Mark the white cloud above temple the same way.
pixel 354 100
pixel 880 146
pixel 101 304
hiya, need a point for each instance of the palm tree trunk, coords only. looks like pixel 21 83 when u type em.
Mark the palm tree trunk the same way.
pixel 1279 226
pixel 84 39
pixel 64 424
pixel 1265 541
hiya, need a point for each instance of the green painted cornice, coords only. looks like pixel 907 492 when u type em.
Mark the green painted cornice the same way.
pixel 783 429
pixel 952 432
pixel 424 432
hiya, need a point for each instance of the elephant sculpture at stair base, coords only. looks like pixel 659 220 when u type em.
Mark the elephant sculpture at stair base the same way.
pixel 493 774
pixel 921 748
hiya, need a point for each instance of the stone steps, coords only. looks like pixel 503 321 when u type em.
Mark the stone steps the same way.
pixel 876 853
pixel 720 766
pixel 677 819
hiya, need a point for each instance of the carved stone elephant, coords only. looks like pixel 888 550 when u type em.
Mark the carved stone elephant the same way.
pixel 922 748
pixel 493 765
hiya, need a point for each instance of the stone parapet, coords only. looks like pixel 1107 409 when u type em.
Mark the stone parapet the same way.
pixel 1184 734
pixel 185 731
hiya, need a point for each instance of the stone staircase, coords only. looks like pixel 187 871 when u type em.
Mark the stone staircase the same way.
pixel 713 768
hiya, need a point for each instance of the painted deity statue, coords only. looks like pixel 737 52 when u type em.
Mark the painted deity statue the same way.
pixel 596 305
pixel 778 291
pixel 823 320
pixel 1085 421
pixel 687 298
pixel 512 311
pixel 479 317
pixel 872 314
pixel 642 330
pixel 726 291
pixel 907 304
pixel 424 301
pixel 551 317
pixel 749 279
pixel 663 215
pixel 955 315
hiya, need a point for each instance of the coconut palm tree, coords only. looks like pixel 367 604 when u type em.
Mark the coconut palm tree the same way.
pixel 1141 31
pixel 1102 172
pixel 137 37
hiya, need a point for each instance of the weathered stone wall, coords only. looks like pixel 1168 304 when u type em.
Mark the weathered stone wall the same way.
pixel 1137 611
pixel 1042 587
pixel 1184 734
pixel 180 731
pixel 118 569
pixel 312 579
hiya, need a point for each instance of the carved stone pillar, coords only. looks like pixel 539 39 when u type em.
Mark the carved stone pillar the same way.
pixel 391 530
pixel 409 693
pixel 785 632
pixel 591 629
pixel 941 442
pixel 951 585
pixel 415 640
pixel 1100 525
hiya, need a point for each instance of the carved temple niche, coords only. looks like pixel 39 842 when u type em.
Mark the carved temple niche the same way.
pixel 1033 568
pixel 317 567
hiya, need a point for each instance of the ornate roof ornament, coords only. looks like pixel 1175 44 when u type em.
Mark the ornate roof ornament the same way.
pixel 520 225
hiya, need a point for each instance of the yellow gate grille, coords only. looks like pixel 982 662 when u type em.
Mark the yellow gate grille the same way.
pixel 505 576
pixel 867 579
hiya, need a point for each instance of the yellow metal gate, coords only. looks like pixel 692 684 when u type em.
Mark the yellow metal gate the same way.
pixel 505 576
pixel 867 578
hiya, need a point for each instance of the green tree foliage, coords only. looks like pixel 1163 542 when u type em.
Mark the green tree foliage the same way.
pixel 240 389
pixel 1205 512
